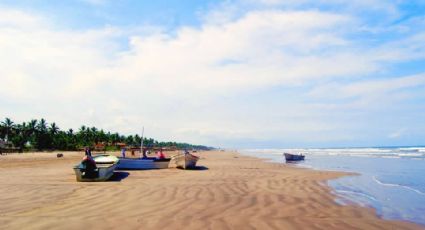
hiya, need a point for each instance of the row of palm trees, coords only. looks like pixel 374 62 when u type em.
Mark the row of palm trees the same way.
pixel 39 135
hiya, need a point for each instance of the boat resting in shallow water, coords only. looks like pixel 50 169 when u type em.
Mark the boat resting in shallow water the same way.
pixel 293 157
pixel 101 170
pixel 184 160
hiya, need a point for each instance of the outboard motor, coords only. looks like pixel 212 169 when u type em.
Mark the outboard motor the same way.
pixel 89 168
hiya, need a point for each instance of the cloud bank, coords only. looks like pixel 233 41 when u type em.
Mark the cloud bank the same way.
pixel 277 75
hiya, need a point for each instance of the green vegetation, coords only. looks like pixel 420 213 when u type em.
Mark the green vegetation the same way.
pixel 39 135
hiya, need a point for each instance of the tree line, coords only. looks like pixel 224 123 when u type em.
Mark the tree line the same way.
pixel 40 135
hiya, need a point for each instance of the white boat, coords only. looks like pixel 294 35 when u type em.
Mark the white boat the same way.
pixel 184 160
pixel 102 170
pixel 143 163
pixel 105 159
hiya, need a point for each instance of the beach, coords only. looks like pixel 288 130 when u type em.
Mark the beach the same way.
pixel 226 191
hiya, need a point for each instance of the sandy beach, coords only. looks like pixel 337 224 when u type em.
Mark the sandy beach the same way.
pixel 228 191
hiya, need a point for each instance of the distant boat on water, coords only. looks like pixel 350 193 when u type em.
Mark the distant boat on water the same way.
pixel 99 168
pixel 293 157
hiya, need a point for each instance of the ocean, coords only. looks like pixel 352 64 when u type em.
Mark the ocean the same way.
pixel 390 179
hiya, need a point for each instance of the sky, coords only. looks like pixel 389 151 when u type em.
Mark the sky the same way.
pixel 233 74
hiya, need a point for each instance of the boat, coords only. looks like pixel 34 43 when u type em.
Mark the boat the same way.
pixel 98 168
pixel 293 157
pixel 184 160
pixel 105 159
pixel 143 163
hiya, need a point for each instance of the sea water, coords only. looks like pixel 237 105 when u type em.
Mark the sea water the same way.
pixel 391 179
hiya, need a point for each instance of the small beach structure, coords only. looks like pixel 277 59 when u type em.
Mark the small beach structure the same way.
pixel 7 147
pixel 293 157
pixel 184 160
pixel 97 168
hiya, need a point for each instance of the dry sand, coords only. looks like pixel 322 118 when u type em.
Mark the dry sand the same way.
pixel 230 191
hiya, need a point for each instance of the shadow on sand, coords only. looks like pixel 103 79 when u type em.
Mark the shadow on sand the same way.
pixel 200 168
pixel 118 176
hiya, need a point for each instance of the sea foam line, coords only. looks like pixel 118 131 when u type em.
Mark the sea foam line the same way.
pixel 398 185
pixel 357 194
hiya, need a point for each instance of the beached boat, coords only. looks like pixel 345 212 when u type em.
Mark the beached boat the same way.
pixel 143 163
pixel 105 159
pixel 101 170
pixel 293 157
pixel 184 160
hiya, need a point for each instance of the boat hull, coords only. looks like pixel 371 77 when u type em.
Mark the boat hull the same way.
pixel 143 163
pixel 293 157
pixel 102 173
pixel 185 161
pixel 105 166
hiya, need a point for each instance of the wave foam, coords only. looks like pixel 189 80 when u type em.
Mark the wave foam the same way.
pixel 398 185
pixel 404 152
pixel 369 197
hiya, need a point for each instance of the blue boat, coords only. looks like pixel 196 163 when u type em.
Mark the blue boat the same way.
pixel 293 157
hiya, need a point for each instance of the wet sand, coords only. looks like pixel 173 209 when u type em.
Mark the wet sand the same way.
pixel 227 191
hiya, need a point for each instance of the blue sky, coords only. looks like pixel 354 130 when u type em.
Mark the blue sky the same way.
pixel 81 14
pixel 241 73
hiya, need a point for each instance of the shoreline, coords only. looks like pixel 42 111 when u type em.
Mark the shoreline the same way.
pixel 340 174
pixel 387 184
pixel 232 191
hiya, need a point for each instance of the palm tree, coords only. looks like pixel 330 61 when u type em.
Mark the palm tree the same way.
pixel 42 125
pixel 42 137
pixel 32 129
pixel 54 137
pixel 129 140
pixel 8 127
pixel 24 133
pixel 53 128
pixel 103 136
pixel 94 135
pixel 32 125
pixel 83 128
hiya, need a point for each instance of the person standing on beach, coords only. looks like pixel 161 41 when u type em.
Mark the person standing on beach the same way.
pixel 160 154
pixel 123 152
pixel 88 151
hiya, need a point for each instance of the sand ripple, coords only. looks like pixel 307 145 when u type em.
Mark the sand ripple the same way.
pixel 231 192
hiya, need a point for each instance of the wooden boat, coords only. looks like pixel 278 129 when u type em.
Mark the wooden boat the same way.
pixel 102 170
pixel 143 163
pixel 184 160
pixel 293 157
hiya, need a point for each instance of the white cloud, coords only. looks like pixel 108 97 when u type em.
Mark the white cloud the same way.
pixel 369 88
pixel 236 54
pixel 190 86
pixel 11 18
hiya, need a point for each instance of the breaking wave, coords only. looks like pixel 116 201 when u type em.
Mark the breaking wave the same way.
pixel 389 152
pixel 398 185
